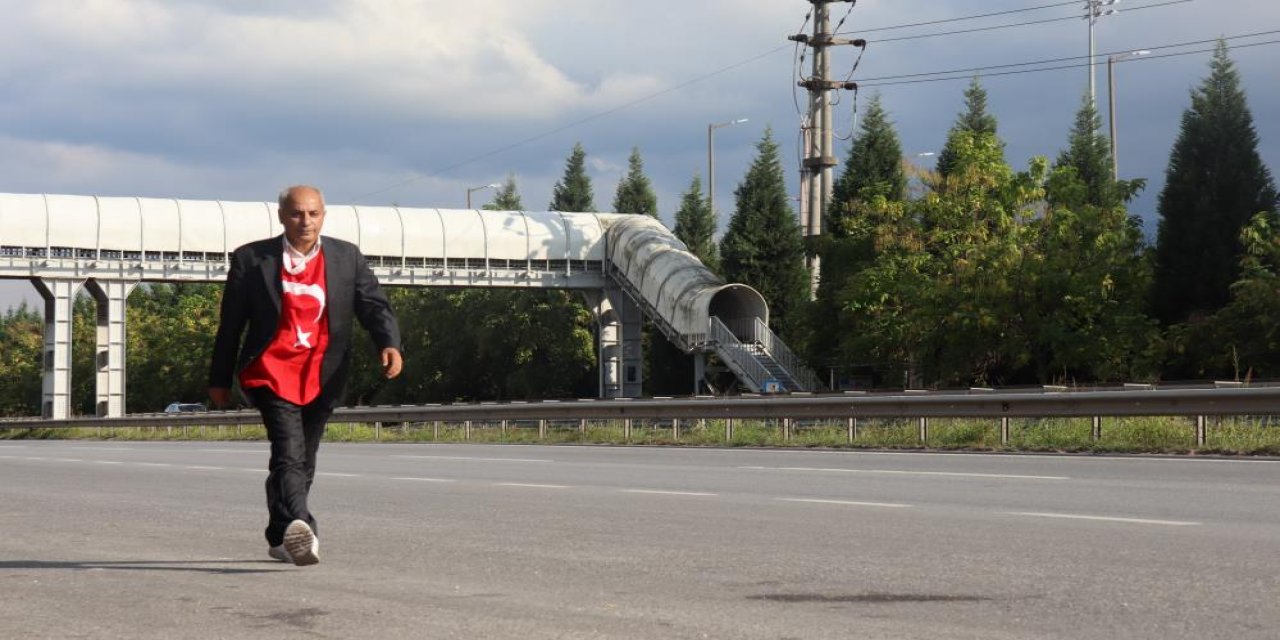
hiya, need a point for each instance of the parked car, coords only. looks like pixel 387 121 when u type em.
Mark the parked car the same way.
pixel 185 407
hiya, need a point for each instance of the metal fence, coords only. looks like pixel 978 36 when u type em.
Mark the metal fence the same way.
pixel 1198 403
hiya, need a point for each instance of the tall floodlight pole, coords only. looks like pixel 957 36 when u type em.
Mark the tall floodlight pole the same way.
pixel 711 160
pixel 1111 105
pixel 1094 10
pixel 820 159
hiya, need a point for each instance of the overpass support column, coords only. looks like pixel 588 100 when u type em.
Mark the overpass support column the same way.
pixel 59 299
pixel 109 358
pixel 620 322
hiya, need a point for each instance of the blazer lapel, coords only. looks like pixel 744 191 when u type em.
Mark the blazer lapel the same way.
pixel 336 283
pixel 271 265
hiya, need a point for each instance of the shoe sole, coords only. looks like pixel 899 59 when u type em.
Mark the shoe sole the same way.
pixel 298 541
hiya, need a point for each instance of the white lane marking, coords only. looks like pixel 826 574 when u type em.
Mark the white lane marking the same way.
pixel 338 475
pixel 472 458
pixel 13 446
pixel 153 464
pixel 531 486
pixel 106 462
pixel 102 448
pixel 426 479
pixel 69 460
pixel 1068 516
pixel 196 466
pixel 946 474
pixel 669 493
pixel 36 458
pixel 259 450
pixel 851 503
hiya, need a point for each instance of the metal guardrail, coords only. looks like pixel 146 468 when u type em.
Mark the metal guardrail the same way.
pixel 1190 402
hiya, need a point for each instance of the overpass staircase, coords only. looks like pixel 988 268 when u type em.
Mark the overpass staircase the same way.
pixel 759 358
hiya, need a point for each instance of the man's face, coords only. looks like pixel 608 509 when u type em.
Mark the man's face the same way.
pixel 302 216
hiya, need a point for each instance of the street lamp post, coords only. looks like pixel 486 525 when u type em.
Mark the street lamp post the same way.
pixel 471 190
pixel 711 160
pixel 1111 105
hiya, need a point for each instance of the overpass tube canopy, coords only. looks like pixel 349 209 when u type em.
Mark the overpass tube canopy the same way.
pixel 672 281
pixel 208 228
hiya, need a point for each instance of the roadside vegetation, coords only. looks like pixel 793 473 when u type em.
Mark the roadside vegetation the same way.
pixel 1227 436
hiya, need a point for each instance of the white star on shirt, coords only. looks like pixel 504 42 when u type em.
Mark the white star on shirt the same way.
pixel 304 339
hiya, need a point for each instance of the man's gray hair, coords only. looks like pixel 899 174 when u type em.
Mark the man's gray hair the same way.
pixel 284 193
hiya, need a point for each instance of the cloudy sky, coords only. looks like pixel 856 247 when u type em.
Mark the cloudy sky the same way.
pixel 413 101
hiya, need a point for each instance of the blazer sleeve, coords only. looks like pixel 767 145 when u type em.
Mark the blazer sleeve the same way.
pixel 232 319
pixel 372 308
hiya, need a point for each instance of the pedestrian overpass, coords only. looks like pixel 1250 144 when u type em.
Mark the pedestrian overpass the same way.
pixel 626 266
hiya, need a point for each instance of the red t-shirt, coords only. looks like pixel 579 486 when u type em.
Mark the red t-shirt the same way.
pixel 290 365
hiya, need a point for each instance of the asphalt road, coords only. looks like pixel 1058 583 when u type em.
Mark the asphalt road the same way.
pixel 163 540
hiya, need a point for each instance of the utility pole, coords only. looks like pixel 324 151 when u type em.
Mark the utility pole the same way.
pixel 1094 10
pixel 819 157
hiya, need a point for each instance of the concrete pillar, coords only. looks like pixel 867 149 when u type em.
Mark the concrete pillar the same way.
pixel 59 299
pixel 109 358
pixel 620 322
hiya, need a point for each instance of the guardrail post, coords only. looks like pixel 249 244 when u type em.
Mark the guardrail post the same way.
pixel 728 429
pixel 675 429
pixel 435 430
pixel 1004 431
pixel 786 429
pixel 466 430
pixel 503 427
pixel 542 429
pixel 1201 435
pixel 853 429
pixel 377 432
pixel 1097 428
pixel 924 430
pixel 626 430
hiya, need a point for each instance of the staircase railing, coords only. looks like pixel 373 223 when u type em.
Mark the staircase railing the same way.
pixel 754 330
pixel 744 364
pixel 787 358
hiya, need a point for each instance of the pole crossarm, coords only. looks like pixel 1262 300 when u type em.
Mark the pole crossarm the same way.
pixel 969 404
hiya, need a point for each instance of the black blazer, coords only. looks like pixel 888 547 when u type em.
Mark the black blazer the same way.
pixel 252 297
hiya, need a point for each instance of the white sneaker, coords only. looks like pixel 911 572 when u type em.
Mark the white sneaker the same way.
pixel 301 544
pixel 279 553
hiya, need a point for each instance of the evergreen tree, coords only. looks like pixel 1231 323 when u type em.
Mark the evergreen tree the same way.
pixel 696 225
pixel 873 167
pixel 572 193
pixel 1088 154
pixel 635 192
pixel 873 172
pixel 763 247
pixel 508 199
pixel 975 119
pixel 1214 185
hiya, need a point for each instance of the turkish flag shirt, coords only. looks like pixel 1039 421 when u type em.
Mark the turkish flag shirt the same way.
pixel 290 365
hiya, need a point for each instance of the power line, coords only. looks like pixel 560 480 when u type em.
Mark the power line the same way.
pixel 1068 66
pixel 1056 60
pixel 964 18
pixel 1014 24
pixel 696 79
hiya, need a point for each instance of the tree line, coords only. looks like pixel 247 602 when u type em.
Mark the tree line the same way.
pixel 974 273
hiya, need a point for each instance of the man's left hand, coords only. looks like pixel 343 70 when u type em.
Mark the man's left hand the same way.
pixel 392 363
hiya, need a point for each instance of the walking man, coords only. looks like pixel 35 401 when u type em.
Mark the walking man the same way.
pixel 296 294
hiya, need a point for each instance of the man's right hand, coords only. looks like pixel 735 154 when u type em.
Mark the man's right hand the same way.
pixel 220 396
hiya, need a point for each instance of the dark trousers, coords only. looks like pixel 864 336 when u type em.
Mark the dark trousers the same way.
pixel 295 432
